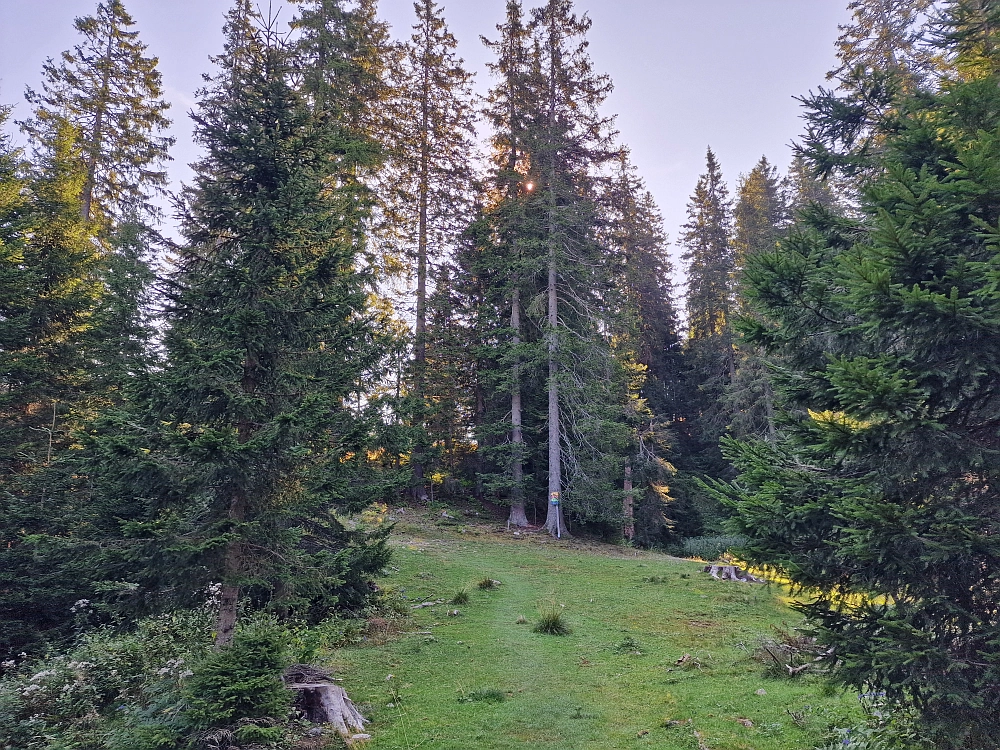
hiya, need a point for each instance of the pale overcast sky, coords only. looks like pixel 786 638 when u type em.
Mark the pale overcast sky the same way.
pixel 687 73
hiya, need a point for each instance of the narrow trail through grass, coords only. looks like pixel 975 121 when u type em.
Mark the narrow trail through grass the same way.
pixel 481 680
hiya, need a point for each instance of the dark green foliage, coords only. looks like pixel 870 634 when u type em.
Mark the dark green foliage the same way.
pixel 882 496
pixel 242 681
pixel 461 597
pixel 233 456
pixel 111 93
pixel 48 294
pixel 712 547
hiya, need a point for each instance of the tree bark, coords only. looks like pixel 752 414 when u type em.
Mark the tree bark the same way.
pixel 420 344
pixel 517 515
pixel 629 503
pixel 554 519
pixel 324 702
pixel 232 560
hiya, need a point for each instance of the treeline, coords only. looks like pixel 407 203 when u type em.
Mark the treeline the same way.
pixel 364 308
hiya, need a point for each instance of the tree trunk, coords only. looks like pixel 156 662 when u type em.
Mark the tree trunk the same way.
pixel 554 519
pixel 628 509
pixel 517 514
pixel 420 344
pixel 232 560
pixel 225 624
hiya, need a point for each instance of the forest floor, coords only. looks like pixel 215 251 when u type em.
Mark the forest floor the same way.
pixel 660 654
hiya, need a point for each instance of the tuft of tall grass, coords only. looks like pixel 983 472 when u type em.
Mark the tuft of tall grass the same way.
pixel 552 622
pixel 488 584
pixel 461 597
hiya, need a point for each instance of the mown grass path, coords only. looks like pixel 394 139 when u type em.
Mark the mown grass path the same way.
pixel 592 688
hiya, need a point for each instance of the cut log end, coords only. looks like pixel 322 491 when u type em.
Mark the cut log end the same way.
pixel 323 702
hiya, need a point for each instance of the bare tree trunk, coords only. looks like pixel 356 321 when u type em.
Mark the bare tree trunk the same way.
pixel 554 521
pixel 629 503
pixel 517 514
pixel 420 345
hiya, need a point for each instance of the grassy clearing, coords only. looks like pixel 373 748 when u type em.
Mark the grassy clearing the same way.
pixel 658 656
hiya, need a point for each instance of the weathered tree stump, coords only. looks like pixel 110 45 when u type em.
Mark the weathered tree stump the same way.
pixel 322 701
pixel 725 572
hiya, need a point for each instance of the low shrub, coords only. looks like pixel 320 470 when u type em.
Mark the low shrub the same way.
pixel 711 548
pixel 461 597
pixel 488 584
pixel 242 681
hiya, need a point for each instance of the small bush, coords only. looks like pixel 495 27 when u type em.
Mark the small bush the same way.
pixel 712 547
pixel 242 681
pixel 552 622
pixel 461 597
pixel 488 584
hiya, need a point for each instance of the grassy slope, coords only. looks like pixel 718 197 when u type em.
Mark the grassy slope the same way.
pixel 578 691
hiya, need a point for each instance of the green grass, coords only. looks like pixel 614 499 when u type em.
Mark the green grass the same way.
pixel 664 664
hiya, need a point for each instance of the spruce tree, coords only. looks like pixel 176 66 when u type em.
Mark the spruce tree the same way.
pixel 567 141
pixel 648 345
pixel 880 496
pixel 710 299
pixel 112 94
pixel 435 129
pixel 249 427
pixel 884 53
pixel 49 289
pixel 759 218
pixel 509 105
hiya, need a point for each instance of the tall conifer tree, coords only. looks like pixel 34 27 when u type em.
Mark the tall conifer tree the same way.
pixel 49 290
pixel 269 334
pixel 112 93
pixel 435 130
pixel 881 496
pixel 759 218
pixel 710 299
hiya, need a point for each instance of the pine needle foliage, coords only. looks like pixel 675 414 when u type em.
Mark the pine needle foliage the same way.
pixel 881 497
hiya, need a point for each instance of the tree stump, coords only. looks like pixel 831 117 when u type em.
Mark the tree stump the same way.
pixel 725 572
pixel 322 701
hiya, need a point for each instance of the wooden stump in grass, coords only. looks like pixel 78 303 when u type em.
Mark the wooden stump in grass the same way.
pixel 323 702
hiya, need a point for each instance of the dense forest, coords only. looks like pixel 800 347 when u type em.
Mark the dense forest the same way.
pixel 389 291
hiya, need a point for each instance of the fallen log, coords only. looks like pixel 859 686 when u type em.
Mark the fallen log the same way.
pixel 322 702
